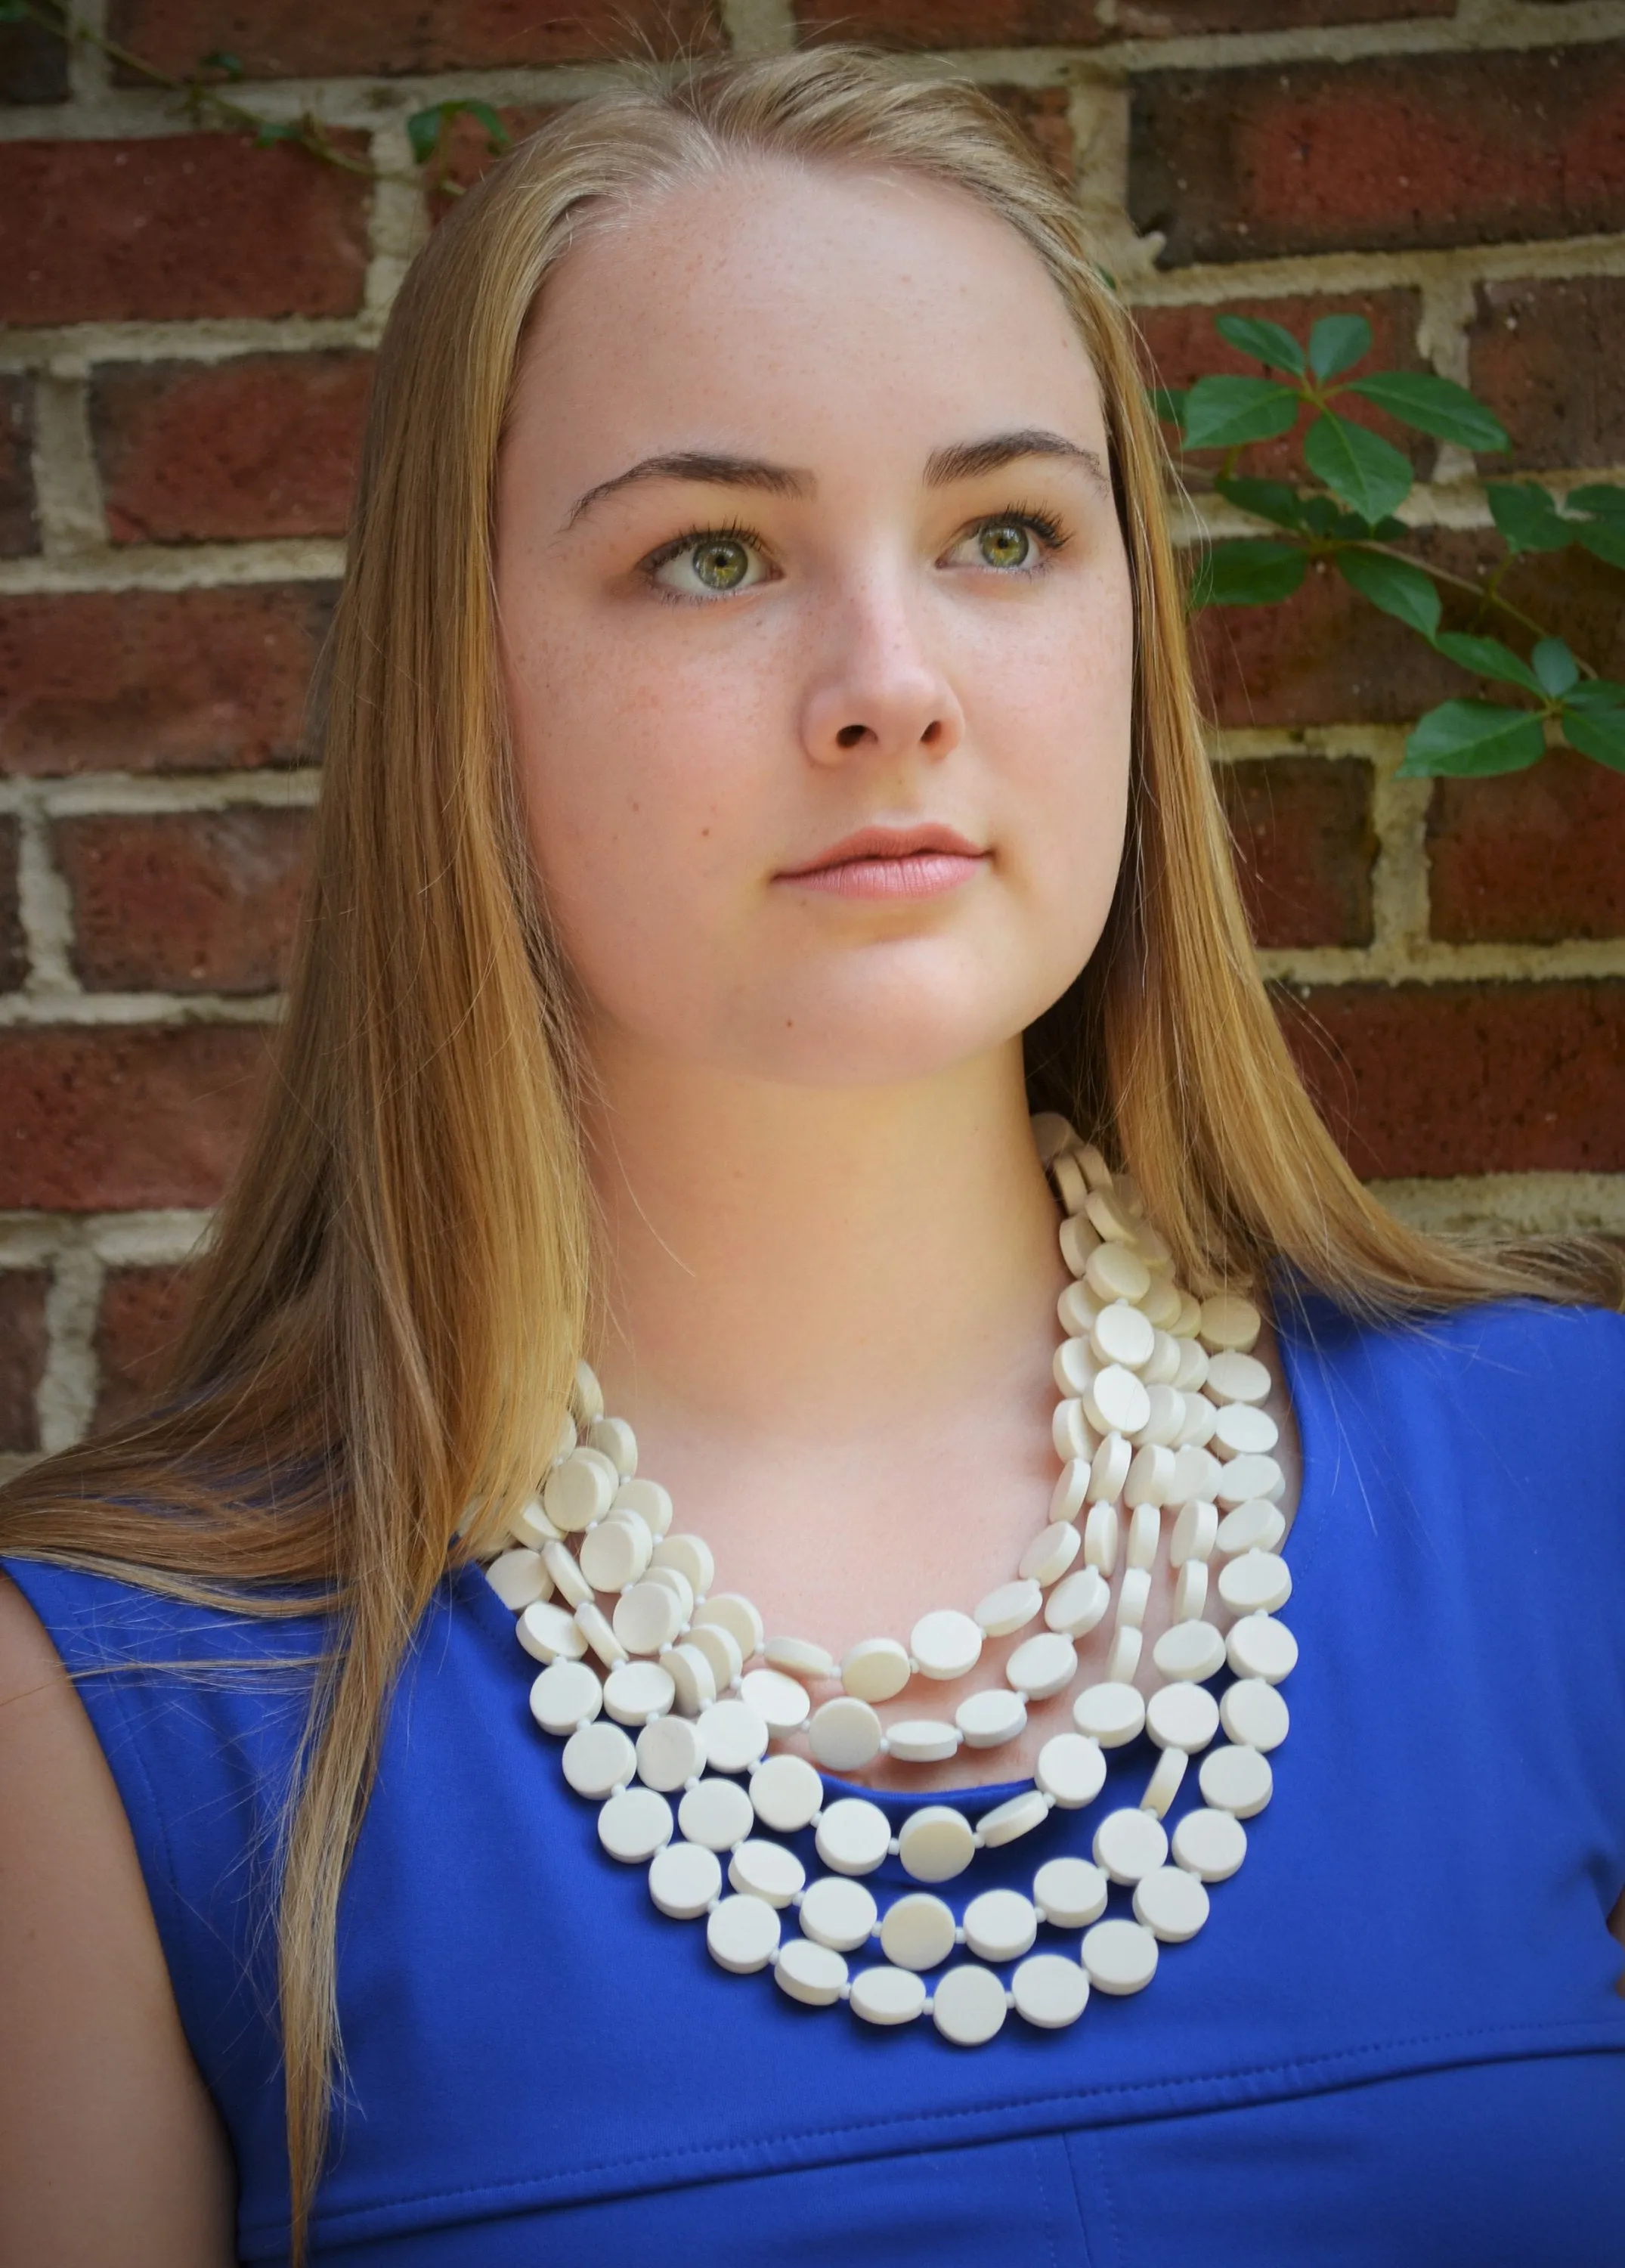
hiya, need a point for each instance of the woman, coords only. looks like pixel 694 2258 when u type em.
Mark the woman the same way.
pixel 762 766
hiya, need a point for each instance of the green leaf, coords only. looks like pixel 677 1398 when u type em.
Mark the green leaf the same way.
pixel 1273 500
pixel 1433 405
pixel 1470 740
pixel 1603 539
pixel 1321 516
pixel 497 135
pixel 1595 693
pixel 217 59
pixel 1250 572
pixel 424 131
pixel 1606 502
pixel 1556 666
pixel 1599 733
pixel 1487 657
pixel 1527 518
pixel 270 130
pixel 1222 413
pixel 1167 403
pixel 1337 343
pixel 1264 342
pixel 1393 584
pixel 1364 469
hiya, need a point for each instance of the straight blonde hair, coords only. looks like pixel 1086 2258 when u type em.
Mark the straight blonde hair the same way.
pixel 385 1330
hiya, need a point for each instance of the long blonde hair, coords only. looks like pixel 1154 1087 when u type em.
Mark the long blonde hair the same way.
pixel 400 1279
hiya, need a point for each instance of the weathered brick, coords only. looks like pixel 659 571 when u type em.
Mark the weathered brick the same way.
pixel 174 228
pixel 184 902
pixel 1383 154
pixel 260 445
pixel 117 1118
pixel 33 64
pixel 1436 1080
pixel 1182 346
pixel 464 154
pixel 138 1325
pixel 19 529
pixel 1081 23
pixel 157 680
pixel 1304 847
pixel 1531 857
pixel 22 1355
pixel 1549 359
pixel 1043 112
pixel 14 945
pixel 298 39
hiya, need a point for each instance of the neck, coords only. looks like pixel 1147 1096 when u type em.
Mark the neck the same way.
pixel 769 1248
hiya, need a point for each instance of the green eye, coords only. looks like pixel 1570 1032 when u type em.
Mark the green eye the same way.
pixel 1004 543
pixel 721 562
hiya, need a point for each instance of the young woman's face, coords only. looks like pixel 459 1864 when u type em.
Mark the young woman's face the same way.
pixel 817 628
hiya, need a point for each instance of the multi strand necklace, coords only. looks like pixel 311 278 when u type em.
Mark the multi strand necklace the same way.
pixel 672 1704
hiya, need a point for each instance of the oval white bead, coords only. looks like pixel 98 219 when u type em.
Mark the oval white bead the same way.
pixel 1070 1494
pixel 787 1793
pixel 1111 1713
pixel 1150 1484
pixel 669 1754
pixel 1117 1403
pixel 968 2005
pixel 647 1617
pixel 1078 1602
pixel 1183 1716
pixel 1111 1271
pixel 923 1741
pixel 767 1871
pixel 580 1490
pixel 1190 1592
pixel 715 1813
pixel 887 1996
pixel 1049 1554
pixel 853 1836
pixel 987 1720
pixel 1255 1715
pixel 1235 1377
pixel 845 1734
pixel 598 1759
pixel 1259 1647
pixel 548 1633
pixel 720 1649
pixel 1229 1322
pixel 936 1843
pixel 1074 1369
pixel 1042 1665
pixel 810 1972
pixel 1172 1904
pixel 1244 1432
pixel 1018 1816
pixel 1235 1780
pixel 946 1643
pixel 586 1395
pixel 1001 1924
pixel 1110 1469
pixel 1051 1133
pixel 918 1931
pixel 691 1556
pixel 1130 1843
pixel 782 1701
pixel 734 1735
pixel 1254 1582
pixel 616 1552
pixel 633 1825
pixel 1201 1418
pixel 1122 1660
pixel 1101 1537
pixel 533 1527
pixel 635 1692
pixel 838 1914
pixel 1122 1334
pixel 678 1584
pixel 1191 1651
pixel 1210 1845
pixel 1010 1607
pixel 649 1500
pixel 615 1439
pixel 1165 1424
pixel 1070 1431
pixel 567 1694
pixel 1071 1769
pixel 1120 1957
pixel 799 1657
pixel 519 1577
pixel 1246 1476
pixel 1161 1303
pixel 1196 1532
pixel 875 1670
pixel 692 1677
pixel 1049 1991
pixel 1145 1535
pixel 729 1610
pixel 1165 1783
pixel 683 1879
pixel 594 1625
pixel 1071 1893
pixel 1078 1239
pixel 1255 1526
pixel 1134 1595
pixel 1195 1365
pixel 742 1934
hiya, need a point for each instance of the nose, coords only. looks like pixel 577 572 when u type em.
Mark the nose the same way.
pixel 880 690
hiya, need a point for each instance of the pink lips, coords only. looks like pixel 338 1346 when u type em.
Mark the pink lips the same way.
pixel 890 862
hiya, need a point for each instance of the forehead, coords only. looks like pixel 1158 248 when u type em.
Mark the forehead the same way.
pixel 840 302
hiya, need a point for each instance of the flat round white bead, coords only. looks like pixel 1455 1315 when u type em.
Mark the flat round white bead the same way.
pixel 683 1879
pixel 1259 1647
pixel 1050 1553
pixel 1000 1925
pixel 768 1871
pixel 720 1650
pixel 1184 1716
pixel 1134 1595
pixel 1172 1904
pixel 787 1793
pixel 548 1633
pixel 1109 1471
pixel 519 1577
pixel 1166 1360
pixel 615 1439
pixel 1145 1535
pixel 1070 1431
pixel 1243 1432
pixel 875 1670
pixel 1049 1991
pixel 1100 1538
pixel 1071 1893
pixel 1051 1133
pixel 810 1972
pixel 887 1996
pixel 923 1741
pixel 567 1694
pixel 1112 1713
pixel 635 1692
pixel 1071 1769
pixel 1233 1377
pixel 586 1395
pixel 1122 1662
pixel 1210 1845
pixel 1018 1816
pixel 1196 1532
pixel 781 1702
pixel 1246 1476
pixel 946 1643
pixel 1078 1238
pixel 1150 1484
pixel 742 1934
pixel 1164 1428
pixel 1120 1957
pixel 680 1588
pixel 853 1836
pixel 734 1735
pixel 1190 1592
pixel 1122 1334
pixel 692 1676
pixel 1074 1368
pixel 633 1825
pixel 598 1759
pixel 1255 1715
pixel 1190 1650
pixel 1130 1843
pixel 647 1619
pixel 1255 1526
pixel 1201 1418
pixel 1117 1403
pixel 715 1813
pixel 1078 1602
pixel 1111 1271
pixel 1161 1303
pixel 987 1720
pixel 1254 1583
pixel 799 1657
pixel 1235 1779
pixel 731 1611
pixel 533 1527
pixel 1164 1782
pixel 918 1931
pixel 1071 1492
pixel 1194 1363
pixel 838 1914
pixel 691 1556
pixel 968 2005
pixel 1010 1607
pixel 845 1734
pixel 1041 1664
pixel 669 1754
pixel 615 1553
pixel 593 1624
pixel 1228 1321
pixel 649 1500
pixel 936 1843
pixel 580 1490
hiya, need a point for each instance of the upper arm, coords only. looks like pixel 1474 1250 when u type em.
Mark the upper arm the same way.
pixel 110 2147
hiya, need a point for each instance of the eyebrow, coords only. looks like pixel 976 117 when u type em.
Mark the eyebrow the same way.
pixel 965 460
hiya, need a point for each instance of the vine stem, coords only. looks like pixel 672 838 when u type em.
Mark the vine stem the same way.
pixel 1487 596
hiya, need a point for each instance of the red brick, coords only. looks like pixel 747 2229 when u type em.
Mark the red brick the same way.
pixel 22 1355
pixel 13 947
pixel 158 680
pixel 1082 22
pixel 263 445
pixel 120 1118
pixel 1463 1078
pixel 174 228
pixel 1043 112
pixel 184 902
pixel 1305 845
pixel 1529 859
pixel 19 529
pixel 1549 359
pixel 33 64
pixel 1384 154
pixel 298 39
pixel 466 154
pixel 138 1326
pixel 1181 345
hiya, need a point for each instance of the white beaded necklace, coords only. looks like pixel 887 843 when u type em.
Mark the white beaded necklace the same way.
pixel 1157 1422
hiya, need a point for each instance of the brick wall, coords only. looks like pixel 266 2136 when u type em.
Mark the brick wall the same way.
pixel 180 391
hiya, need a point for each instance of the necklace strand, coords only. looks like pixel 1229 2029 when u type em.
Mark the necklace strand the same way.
pixel 677 1694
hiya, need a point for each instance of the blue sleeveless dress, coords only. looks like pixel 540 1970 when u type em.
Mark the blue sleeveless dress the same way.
pixel 1397 2040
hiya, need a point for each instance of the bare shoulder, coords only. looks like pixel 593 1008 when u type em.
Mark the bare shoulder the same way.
pixel 94 2044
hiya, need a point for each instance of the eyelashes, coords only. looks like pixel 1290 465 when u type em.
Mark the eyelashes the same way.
pixel 1051 534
